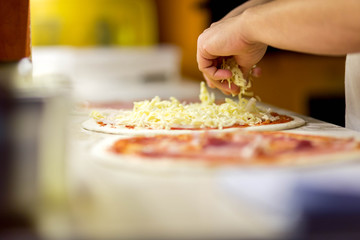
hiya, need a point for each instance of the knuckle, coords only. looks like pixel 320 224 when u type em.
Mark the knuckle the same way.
pixel 200 40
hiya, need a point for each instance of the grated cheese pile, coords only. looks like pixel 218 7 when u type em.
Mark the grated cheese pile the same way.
pixel 237 76
pixel 167 114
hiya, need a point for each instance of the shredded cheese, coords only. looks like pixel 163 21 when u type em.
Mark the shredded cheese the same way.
pixel 167 114
pixel 237 77
pixel 96 115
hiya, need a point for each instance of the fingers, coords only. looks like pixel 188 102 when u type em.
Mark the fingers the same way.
pixel 223 86
pixel 215 77
pixel 208 63
pixel 218 73
pixel 256 71
pixel 212 48
pixel 208 81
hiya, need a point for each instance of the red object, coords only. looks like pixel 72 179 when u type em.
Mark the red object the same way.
pixel 15 42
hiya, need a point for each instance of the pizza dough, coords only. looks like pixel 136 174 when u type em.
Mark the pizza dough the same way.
pixel 158 114
pixel 171 116
pixel 92 125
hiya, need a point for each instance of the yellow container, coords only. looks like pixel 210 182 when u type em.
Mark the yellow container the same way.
pixel 94 22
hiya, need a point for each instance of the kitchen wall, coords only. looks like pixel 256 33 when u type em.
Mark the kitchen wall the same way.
pixel 180 23
pixel 94 22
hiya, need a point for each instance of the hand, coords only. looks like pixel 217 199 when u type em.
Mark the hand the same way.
pixel 227 38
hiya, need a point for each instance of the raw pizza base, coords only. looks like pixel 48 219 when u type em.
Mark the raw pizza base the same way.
pixel 106 158
pixel 92 125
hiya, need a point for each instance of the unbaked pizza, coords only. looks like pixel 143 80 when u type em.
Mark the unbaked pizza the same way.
pixel 240 148
pixel 171 116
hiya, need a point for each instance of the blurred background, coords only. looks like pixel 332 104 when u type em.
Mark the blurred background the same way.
pixel 298 82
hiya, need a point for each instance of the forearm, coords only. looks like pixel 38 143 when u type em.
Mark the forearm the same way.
pixel 329 27
pixel 240 9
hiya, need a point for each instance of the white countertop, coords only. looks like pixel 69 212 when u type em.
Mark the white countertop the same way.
pixel 119 202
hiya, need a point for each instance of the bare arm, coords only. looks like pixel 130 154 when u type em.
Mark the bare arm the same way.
pixel 330 27
pixel 240 9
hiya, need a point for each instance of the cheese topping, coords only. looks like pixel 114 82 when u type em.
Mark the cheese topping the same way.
pixel 167 114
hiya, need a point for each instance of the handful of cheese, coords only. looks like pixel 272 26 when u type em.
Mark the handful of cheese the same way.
pixel 237 77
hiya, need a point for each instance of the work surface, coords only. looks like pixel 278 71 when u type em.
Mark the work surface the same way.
pixel 108 201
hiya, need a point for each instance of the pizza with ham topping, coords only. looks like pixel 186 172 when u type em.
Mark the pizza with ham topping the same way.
pixel 229 149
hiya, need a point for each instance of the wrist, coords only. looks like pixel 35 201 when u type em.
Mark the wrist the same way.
pixel 247 26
